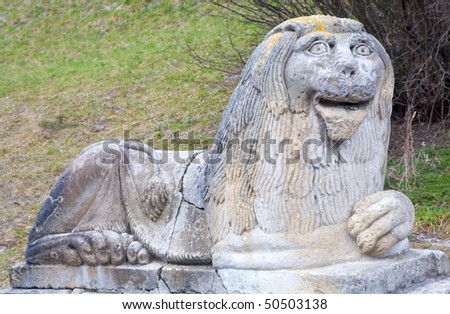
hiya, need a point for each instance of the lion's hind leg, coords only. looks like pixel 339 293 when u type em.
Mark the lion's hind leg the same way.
pixel 83 220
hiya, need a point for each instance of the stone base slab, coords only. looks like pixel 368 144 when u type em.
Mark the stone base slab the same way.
pixel 401 274
pixel 441 286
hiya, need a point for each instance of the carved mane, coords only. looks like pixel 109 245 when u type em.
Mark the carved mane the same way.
pixel 280 197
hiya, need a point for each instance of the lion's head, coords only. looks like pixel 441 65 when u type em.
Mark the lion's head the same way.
pixel 312 78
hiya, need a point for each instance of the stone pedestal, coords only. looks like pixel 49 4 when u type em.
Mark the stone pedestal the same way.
pixel 413 272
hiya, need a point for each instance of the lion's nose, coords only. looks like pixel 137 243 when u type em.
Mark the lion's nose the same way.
pixel 346 68
pixel 348 71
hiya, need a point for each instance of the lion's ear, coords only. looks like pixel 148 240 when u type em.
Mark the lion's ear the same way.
pixel 273 86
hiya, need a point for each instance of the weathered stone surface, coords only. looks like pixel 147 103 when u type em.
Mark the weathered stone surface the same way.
pixel 387 275
pixel 130 277
pixel 441 286
pixel 192 279
pixel 37 291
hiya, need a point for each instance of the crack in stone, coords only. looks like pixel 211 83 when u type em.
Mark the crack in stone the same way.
pixel 159 270
pixel 180 189
pixel 161 279
pixel 220 279
pixel 190 203
pixel 174 227
pixel 181 182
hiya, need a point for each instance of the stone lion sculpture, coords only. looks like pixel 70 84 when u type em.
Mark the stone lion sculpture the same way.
pixel 294 180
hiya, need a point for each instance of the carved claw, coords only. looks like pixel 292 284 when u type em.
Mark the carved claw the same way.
pixel 380 221
pixel 138 254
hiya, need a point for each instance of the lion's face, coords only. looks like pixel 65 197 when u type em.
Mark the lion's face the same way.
pixel 338 75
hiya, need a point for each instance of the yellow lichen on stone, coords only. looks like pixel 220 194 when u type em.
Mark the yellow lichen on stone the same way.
pixel 272 40
pixel 319 22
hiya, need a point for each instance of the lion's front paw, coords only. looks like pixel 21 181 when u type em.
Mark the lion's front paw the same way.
pixel 380 221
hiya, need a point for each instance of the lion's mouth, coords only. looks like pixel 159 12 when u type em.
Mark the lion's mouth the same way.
pixel 347 104
pixel 342 116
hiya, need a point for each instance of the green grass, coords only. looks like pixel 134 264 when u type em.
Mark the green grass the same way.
pixel 75 74
pixel 429 191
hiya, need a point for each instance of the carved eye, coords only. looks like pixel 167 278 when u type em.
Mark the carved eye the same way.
pixel 319 48
pixel 363 50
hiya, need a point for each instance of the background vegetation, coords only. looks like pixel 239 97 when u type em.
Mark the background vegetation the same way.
pixel 76 72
